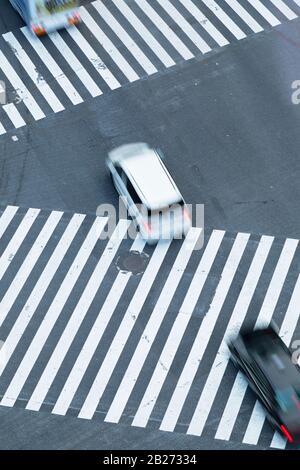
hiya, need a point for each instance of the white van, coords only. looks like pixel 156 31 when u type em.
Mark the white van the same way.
pixel 44 16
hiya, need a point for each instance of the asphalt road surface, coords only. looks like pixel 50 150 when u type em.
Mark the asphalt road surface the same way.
pixel 220 107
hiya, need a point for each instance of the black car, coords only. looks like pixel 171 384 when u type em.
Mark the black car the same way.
pixel 267 363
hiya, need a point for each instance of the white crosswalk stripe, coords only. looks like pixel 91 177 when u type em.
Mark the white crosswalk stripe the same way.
pixel 244 15
pixel 107 44
pixel 145 34
pixel 207 326
pixel 284 9
pixel 225 19
pixel 53 67
pixel 185 26
pixel 21 89
pixel 119 341
pixel 29 67
pixel 48 258
pixel 264 12
pixel 14 115
pixel 148 336
pixel 205 23
pixel 149 399
pixel 139 38
pixel 75 64
pixel 124 36
pixel 165 29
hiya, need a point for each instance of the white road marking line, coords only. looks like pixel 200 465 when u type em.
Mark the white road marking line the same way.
pixel 264 12
pixel 148 336
pixel 53 67
pixel 81 309
pixel 119 341
pixel 109 47
pixel 185 26
pixel 2 129
pixel 28 264
pixel 244 15
pixel 287 329
pixel 94 59
pixel 48 322
pixel 203 336
pixel 14 115
pixel 224 18
pixel 240 385
pixel 16 241
pixel 75 64
pixel 40 288
pixel 145 34
pixel 20 88
pixel 33 72
pixel 6 218
pixel 169 34
pixel 205 23
pixel 217 371
pixel 285 10
pixel 178 329
pixel 133 48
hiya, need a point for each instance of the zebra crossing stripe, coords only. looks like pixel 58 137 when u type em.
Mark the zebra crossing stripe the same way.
pixel 217 371
pixel 109 47
pixel 149 334
pixel 33 73
pixel 287 329
pixel 115 350
pixel 205 23
pixel 244 15
pixel 239 388
pixel 285 10
pixel 93 58
pixel 224 18
pixel 29 263
pixel 14 115
pixel 264 12
pixel 2 129
pixel 39 289
pixel 133 48
pixel 6 218
pixel 53 67
pixel 15 243
pixel 164 363
pixel 164 28
pixel 18 85
pixel 149 39
pixel 52 314
pixel 201 341
pixel 185 26
pixel 81 310
pixel 75 64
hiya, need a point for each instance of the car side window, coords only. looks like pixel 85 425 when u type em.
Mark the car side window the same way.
pixel 134 195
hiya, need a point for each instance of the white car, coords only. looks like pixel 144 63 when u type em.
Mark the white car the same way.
pixel 149 192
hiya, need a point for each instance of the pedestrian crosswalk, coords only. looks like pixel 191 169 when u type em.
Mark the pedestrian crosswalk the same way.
pixel 84 334
pixel 118 43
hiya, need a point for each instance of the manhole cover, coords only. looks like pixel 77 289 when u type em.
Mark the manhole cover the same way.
pixel 132 261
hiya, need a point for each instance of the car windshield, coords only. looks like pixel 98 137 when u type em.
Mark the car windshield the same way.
pixel 50 7
pixel 288 398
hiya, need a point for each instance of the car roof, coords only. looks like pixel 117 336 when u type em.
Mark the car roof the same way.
pixel 151 179
pixel 273 359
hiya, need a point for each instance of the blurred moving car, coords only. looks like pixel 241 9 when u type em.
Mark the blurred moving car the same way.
pixel 275 378
pixel 150 194
pixel 44 16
